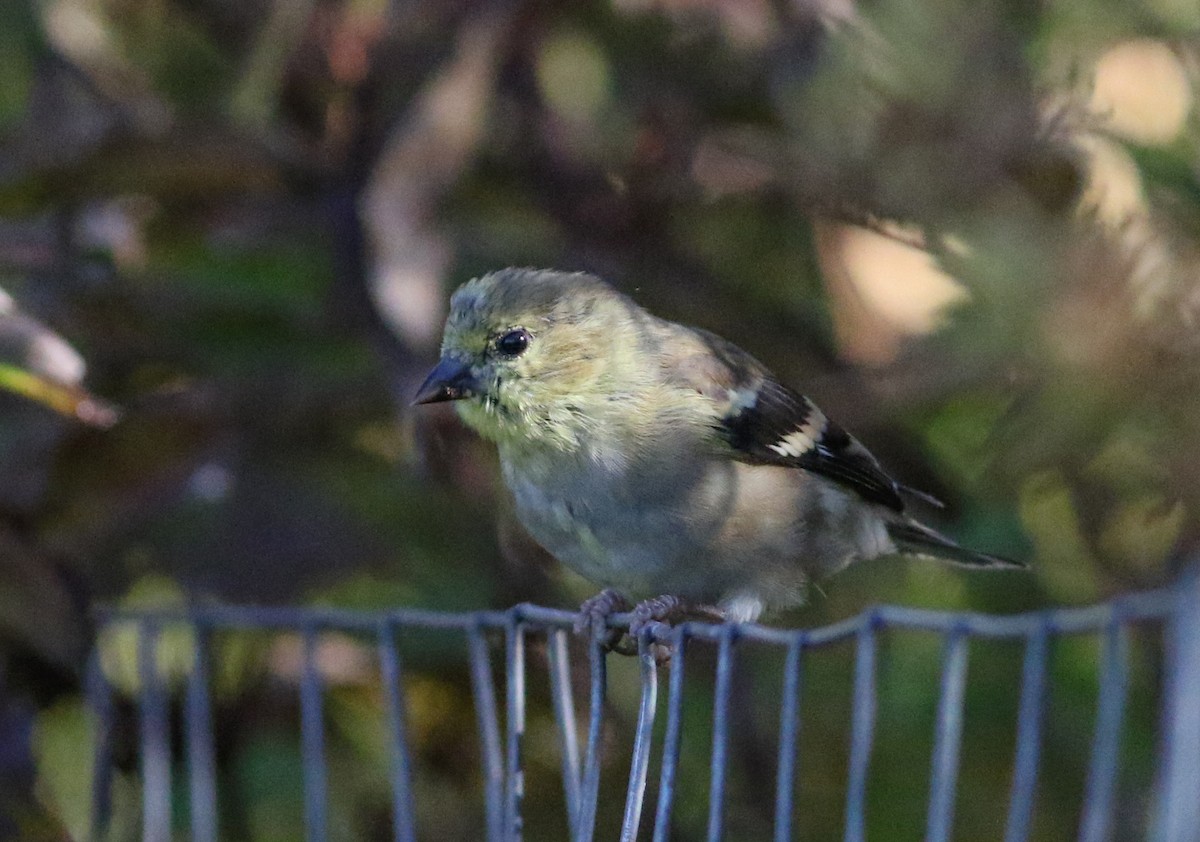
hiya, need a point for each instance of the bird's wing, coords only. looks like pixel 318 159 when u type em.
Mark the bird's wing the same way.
pixel 764 422
pixel 782 427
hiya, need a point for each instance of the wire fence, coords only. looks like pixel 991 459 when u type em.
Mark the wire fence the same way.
pixel 1173 813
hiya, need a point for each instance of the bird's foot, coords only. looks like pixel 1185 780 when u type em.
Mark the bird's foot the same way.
pixel 594 614
pixel 666 611
pixel 671 610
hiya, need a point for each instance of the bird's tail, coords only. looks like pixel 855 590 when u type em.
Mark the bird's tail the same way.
pixel 912 538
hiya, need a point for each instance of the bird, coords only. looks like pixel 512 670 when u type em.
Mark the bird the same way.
pixel 662 462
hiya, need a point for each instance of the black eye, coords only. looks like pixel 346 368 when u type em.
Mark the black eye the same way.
pixel 513 343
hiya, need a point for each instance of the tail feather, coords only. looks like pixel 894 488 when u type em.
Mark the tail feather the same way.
pixel 912 538
pixel 918 494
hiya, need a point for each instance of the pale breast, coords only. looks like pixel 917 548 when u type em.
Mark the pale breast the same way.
pixel 586 523
pixel 710 530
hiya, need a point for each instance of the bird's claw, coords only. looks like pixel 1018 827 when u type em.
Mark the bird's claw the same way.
pixel 665 609
pixel 594 614
pixel 654 618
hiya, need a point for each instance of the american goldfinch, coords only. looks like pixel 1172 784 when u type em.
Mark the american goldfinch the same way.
pixel 662 461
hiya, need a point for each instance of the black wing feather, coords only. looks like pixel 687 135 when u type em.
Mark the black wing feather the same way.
pixel 769 424
pixel 782 427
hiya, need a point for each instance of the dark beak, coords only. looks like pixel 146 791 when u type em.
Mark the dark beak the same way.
pixel 450 380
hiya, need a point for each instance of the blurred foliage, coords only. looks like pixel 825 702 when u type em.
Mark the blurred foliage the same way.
pixel 227 235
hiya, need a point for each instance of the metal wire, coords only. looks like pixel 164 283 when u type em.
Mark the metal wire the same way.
pixel 403 813
pixel 1029 734
pixel 1174 814
pixel 312 732
pixel 564 718
pixel 155 741
pixel 641 746
pixel 100 701
pixel 721 720
pixel 514 775
pixel 862 730
pixel 789 736
pixel 948 739
pixel 489 731
pixel 202 764
pixel 673 738
pixel 1106 744
pixel 1178 784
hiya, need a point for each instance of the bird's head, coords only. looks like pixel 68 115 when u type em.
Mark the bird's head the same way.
pixel 533 356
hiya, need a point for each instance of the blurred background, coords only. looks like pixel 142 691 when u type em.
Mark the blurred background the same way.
pixel 228 232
